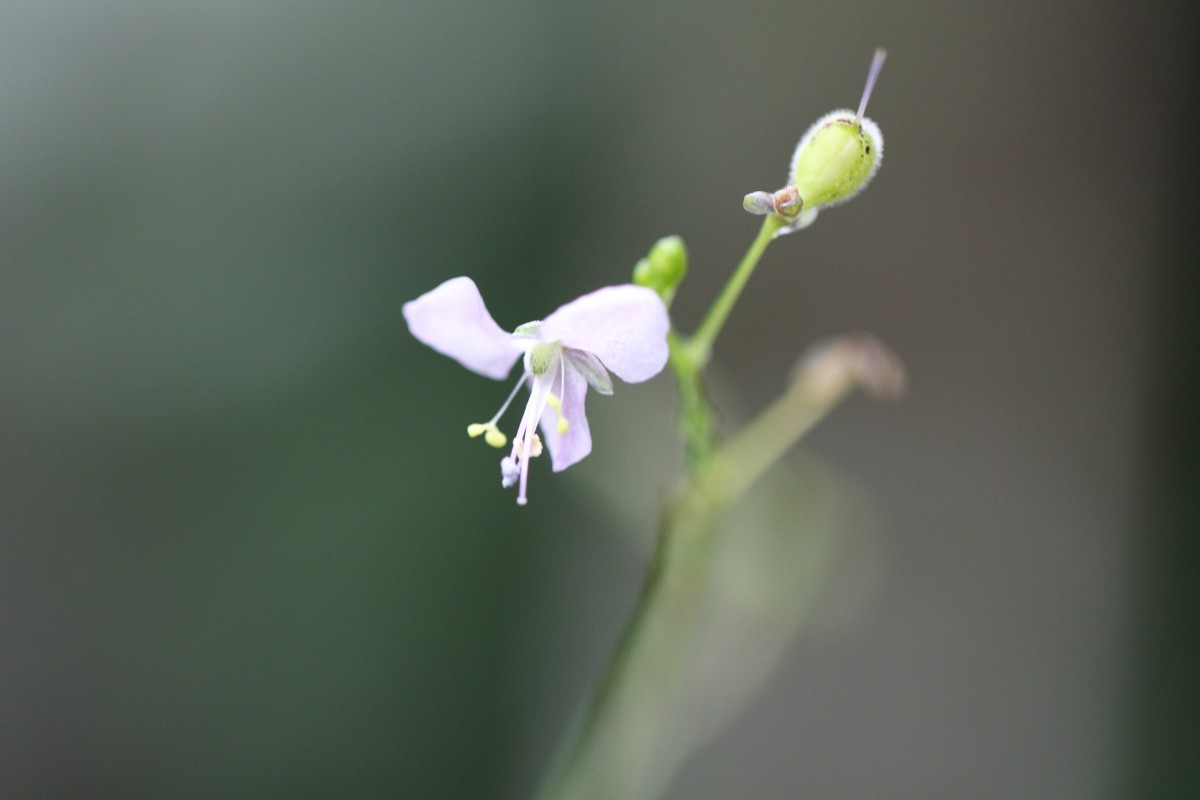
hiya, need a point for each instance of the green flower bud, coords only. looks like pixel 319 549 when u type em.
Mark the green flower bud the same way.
pixel 664 268
pixel 836 158
pixel 839 155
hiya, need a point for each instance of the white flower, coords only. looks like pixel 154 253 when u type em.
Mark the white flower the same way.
pixel 618 328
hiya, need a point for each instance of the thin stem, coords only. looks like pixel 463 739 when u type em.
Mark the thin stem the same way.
pixel 612 753
pixel 701 343
pixel 696 423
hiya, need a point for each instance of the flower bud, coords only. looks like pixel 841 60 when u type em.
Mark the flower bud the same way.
pixel 663 269
pixel 837 157
pixel 835 160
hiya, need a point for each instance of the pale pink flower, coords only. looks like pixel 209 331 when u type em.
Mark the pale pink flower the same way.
pixel 618 328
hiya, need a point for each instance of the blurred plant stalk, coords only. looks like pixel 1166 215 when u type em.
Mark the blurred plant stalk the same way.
pixel 616 750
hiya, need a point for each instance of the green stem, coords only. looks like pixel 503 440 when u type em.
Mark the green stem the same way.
pixel 611 753
pixel 701 343
pixel 689 357
pixel 696 423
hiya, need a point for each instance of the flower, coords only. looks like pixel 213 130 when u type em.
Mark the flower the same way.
pixel 617 328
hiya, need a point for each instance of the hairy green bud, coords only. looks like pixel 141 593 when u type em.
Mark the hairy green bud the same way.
pixel 835 160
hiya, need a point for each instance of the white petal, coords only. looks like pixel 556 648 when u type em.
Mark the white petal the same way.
pixel 624 326
pixel 453 320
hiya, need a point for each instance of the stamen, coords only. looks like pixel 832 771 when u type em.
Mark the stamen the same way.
pixel 527 444
pixel 494 436
pixel 553 402
pixel 511 395
pixel 508 472
pixel 563 423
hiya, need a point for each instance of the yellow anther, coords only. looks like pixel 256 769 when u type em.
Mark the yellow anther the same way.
pixel 492 434
pixel 553 401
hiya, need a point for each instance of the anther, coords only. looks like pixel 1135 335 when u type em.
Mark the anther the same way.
pixel 491 434
pixel 553 401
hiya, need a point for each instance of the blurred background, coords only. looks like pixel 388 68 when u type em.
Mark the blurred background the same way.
pixel 247 551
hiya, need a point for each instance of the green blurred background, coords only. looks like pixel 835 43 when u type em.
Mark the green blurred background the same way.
pixel 247 551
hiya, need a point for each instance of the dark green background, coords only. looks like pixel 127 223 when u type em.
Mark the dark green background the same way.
pixel 247 551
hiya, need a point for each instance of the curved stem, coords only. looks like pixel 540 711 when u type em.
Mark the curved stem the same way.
pixel 701 343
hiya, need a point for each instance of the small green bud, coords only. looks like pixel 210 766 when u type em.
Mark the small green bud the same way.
pixel 664 268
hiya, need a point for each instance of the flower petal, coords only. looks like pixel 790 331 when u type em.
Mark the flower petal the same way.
pixel 570 447
pixel 624 326
pixel 453 320
pixel 590 368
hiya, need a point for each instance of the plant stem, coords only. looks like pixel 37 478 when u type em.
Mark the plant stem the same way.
pixel 696 423
pixel 689 356
pixel 701 343
pixel 611 753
